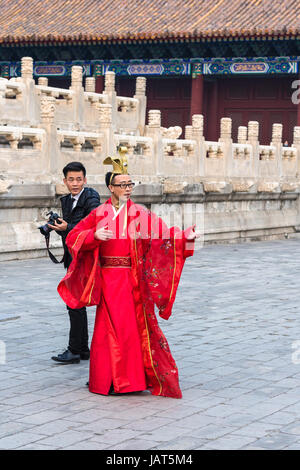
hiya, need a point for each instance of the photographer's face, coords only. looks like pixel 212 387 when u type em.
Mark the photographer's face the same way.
pixel 75 181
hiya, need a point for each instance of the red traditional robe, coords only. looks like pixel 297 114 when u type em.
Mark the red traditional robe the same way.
pixel 126 277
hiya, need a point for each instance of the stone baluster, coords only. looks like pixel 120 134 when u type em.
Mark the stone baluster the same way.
pixel 14 138
pixel 78 142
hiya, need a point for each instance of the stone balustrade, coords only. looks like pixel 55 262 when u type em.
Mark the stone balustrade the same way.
pixel 248 189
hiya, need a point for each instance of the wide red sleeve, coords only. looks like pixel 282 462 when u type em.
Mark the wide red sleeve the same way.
pixel 81 285
pixel 162 257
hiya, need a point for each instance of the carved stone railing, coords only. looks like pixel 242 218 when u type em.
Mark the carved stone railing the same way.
pixel 79 139
pixel 14 135
pixel 247 188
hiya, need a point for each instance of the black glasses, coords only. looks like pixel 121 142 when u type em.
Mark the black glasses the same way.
pixel 125 185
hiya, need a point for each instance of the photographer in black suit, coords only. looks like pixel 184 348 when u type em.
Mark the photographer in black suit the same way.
pixel 75 206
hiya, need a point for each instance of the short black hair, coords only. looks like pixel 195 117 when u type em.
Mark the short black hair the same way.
pixel 74 166
pixel 107 178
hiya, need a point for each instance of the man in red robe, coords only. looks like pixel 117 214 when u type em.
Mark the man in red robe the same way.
pixel 126 261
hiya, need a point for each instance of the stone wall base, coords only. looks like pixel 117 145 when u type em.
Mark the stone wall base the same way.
pixel 220 217
pixel 31 254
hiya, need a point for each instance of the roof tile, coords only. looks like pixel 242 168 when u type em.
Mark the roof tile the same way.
pixel 64 20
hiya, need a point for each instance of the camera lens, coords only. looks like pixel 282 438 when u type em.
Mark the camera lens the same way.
pixel 45 230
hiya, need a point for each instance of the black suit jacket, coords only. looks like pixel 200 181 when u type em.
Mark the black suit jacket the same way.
pixel 89 200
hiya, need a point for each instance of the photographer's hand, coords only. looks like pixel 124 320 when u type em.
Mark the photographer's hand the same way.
pixel 62 227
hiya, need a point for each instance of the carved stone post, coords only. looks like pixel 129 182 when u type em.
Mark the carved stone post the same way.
pixel 43 81
pixel 197 125
pixel 52 148
pixel 296 136
pixel 78 96
pixel 90 84
pixel 226 148
pixel 276 134
pixel 253 133
pixel 140 86
pixel 154 130
pixel 242 135
pixel 226 127
pixel 296 144
pixel 277 142
pixel 109 84
pixel 3 82
pixel 140 94
pixel 47 109
pixel 188 132
pixel 27 68
pixel 76 76
pixel 197 132
pixel 154 118
pixel 111 96
pixel 105 114
pixel 28 95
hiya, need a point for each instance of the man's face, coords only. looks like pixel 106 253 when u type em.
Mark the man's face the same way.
pixel 120 192
pixel 75 180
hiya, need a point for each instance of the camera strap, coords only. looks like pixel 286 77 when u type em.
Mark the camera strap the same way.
pixel 51 255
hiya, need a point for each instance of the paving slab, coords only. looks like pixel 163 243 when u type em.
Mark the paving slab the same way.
pixel 234 333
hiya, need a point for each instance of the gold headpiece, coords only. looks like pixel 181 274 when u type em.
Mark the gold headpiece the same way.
pixel 120 164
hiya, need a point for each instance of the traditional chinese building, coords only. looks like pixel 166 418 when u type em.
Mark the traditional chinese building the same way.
pixel 219 58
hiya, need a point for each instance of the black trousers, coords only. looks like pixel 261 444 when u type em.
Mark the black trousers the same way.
pixel 78 337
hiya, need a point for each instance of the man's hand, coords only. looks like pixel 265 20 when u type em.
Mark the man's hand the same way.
pixel 62 227
pixel 103 234
pixel 192 235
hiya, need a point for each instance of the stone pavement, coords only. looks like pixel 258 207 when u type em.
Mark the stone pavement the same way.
pixel 234 332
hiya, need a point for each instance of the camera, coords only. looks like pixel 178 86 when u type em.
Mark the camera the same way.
pixel 45 229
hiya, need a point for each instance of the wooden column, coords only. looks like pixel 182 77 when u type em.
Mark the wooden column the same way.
pixel 213 113
pixel 99 84
pixel 196 96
